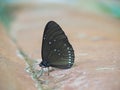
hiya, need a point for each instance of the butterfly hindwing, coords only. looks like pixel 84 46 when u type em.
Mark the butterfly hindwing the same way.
pixel 56 49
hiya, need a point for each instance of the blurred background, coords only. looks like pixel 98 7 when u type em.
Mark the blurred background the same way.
pixel 45 7
pixel 92 27
pixel 23 17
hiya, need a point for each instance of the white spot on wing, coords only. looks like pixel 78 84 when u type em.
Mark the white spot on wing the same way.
pixel 50 42
pixel 68 48
pixel 69 62
pixel 69 59
pixel 65 45
pixel 55 49
pixel 44 38
pixel 54 40
pixel 59 54
pixel 68 51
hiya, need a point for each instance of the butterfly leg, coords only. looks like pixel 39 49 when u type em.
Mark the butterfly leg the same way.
pixel 40 73
pixel 48 71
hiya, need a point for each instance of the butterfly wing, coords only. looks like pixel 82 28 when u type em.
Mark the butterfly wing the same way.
pixel 56 49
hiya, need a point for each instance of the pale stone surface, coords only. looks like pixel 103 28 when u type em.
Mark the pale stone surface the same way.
pixel 95 39
pixel 12 73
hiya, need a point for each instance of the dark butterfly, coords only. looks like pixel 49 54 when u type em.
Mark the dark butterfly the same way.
pixel 56 50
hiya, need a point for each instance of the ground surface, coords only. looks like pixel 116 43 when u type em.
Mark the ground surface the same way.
pixel 95 39
pixel 12 69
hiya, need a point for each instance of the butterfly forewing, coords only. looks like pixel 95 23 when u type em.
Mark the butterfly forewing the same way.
pixel 56 49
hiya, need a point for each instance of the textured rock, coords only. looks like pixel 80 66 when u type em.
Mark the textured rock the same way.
pixel 95 39
pixel 12 73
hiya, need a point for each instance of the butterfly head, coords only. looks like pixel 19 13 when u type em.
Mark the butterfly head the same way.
pixel 44 63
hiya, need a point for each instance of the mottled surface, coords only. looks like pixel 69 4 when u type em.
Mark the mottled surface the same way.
pixel 95 39
pixel 12 73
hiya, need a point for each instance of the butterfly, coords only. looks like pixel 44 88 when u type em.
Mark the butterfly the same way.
pixel 56 49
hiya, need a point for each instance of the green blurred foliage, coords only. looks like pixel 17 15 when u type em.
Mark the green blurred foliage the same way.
pixel 113 9
pixel 6 13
